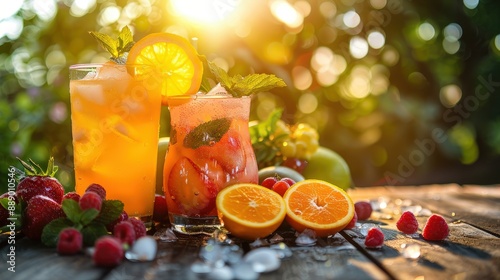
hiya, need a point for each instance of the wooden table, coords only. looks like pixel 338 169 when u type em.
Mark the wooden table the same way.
pixel 472 250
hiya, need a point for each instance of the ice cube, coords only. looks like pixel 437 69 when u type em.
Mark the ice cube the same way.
pixel 306 238
pixel 263 260
pixel 165 235
pixel 411 251
pixel 218 90
pixel 112 72
pixel 366 227
pixel 276 238
pixel 259 243
pixel 282 250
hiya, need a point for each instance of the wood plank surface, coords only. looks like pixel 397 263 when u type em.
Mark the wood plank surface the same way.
pixel 472 251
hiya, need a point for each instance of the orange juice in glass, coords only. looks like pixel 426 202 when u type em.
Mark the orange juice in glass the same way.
pixel 115 126
pixel 210 149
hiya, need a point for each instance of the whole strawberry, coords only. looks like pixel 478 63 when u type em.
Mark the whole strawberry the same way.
pixel 40 211
pixel 39 182
pixel 435 228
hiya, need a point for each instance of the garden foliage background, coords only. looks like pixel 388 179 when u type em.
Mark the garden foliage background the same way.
pixel 408 92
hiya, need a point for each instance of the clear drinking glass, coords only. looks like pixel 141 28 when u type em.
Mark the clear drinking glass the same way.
pixel 115 121
pixel 210 149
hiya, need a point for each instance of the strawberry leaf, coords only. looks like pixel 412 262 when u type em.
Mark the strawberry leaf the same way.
pixel 50 233
pixel 92 232
pixel 110 211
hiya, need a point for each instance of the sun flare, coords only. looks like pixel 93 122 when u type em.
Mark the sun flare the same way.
pixel 204 11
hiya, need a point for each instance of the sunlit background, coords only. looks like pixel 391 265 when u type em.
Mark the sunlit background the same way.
pixel 406 91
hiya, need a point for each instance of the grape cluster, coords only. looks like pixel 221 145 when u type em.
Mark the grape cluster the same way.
pixel 300 141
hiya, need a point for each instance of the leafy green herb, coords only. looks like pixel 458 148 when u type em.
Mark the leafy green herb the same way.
pixel 238 85
pixel 207 133
pixel 15 215
pixel 90 222
pixel 119 47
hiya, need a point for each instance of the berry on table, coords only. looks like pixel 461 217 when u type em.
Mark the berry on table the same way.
pixel 98 189
pixel 108 252
pixel 407 223
pixel 363 209
pixel 435 228
pixel 139 227
pixel 90 200
pixel 353 221
pixel 72 195
pixel 374 238
pixel 123 217
pixel 69 242
pixel 125 232
pixel 40 211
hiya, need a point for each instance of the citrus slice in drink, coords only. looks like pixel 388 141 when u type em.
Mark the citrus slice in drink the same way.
pixel 250 211
pixel 171 65
pixel 318 205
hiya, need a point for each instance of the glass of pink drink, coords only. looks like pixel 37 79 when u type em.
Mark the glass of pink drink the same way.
pixel 210 149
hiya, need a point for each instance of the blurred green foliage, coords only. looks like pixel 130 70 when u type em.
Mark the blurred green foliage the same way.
pixel 377 78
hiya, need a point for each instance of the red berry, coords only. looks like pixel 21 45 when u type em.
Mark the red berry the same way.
pixel 139 227
pixel 269 182
pixel 123 217
pixel 435 228
pixel 72 195
pixel 98 189
pixel 374 238
pixel 90 200
pixel 70 241
pixel 40 211
pixel 407 223
pixel 125 232
pixel 160 211
pixel 288 180
pixel 280 187
pixel 39 182
pixel 353 221
pixel 363 209
pixel 108 252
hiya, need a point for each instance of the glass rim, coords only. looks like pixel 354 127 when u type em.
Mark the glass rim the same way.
pixel 202 95
pixel 83 66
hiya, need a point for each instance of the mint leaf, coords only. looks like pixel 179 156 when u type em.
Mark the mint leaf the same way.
pixel 119 47
pixel 50 233
pixel 110 211
pixel 265 128
pixel 72 210
pixel 92 232
pixel 207 133
pixel 88 216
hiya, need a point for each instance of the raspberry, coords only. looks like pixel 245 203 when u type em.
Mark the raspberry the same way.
pixel 72 195
pixel 123 217
pixel 160 211
pixel 363 209
pixel 269 182
pixel 108 252
pixel 90 200
pixel 407 223
pixel 98 189
pixel 139 227
pixel 70 241
pixel 281 187
pixel 125 232
pixel 435 228
pixel 353 221
pixel 374 238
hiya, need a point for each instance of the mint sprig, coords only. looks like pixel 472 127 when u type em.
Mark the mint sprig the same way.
pixel 90 222
pixel 238 85
pixel 119 47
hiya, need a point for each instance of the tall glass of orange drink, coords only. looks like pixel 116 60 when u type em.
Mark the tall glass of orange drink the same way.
pixel 115 125
pixel 210 149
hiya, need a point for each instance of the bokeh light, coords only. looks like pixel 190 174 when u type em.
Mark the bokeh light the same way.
pixel 450 95
pixel 426 31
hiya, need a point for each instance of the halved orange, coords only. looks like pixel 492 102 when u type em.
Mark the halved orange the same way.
pixel 172 64
pixel 250 211
pixel 318 205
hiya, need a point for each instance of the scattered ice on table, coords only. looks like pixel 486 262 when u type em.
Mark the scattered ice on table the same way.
pixel 382 216
pixel 263 260
pixel 90 251
pixel 165 235
pixel 244 271
pixel 282 250
pixel 379 204
pixel 144 249
pixel 232 253
pixel 201 268
pixel 415 209
pixel 221 273
pixel 306 238
pixel 213 254
pixel 319 254
pixel 424 213
pixel 366 227
pixel 411 251
pixel 259 243
pixel 276 238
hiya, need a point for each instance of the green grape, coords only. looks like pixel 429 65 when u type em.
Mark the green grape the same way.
pixel 288 149
pixel 301 151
